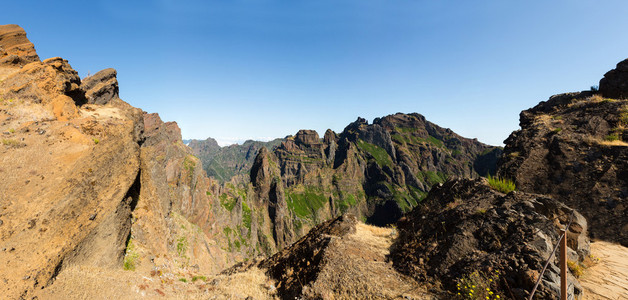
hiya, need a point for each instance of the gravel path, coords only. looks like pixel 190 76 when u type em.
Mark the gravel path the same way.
pixel 608 279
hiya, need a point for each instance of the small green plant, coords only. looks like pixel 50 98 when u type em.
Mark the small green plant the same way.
pixel 183 280
pixel 199 277
pixel 611 137
pixel 11 130
pixel 478 285
pixel 96 141
pixel 557 130
pixel 500 184
pixel 182 246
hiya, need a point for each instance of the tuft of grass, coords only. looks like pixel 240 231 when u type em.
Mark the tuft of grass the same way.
pixel 500 184
pixel 611 137
pixel 96 141
pixel 183 280
pixel 557 130
pixel 11 143
pixel 199 277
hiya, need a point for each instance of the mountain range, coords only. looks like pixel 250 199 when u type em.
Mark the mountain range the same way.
pixel 100 199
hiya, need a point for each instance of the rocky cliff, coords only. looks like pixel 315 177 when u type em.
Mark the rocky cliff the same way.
pixel 573 147
pixel 224 163
pixel 88 180
pixel 376 171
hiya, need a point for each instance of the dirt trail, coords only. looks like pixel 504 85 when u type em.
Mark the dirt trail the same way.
pixel 608 279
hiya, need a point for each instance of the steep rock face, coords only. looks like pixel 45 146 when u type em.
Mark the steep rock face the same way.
pixel 15 48
pixel 615 82
pixel 173 219
pixel 464 227
pixel 69 176
pixel 85 185
pixel 573 147
pixel 225 163
pixel 376 171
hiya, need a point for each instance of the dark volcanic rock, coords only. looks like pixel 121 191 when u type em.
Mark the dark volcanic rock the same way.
pixel 464 226
pixel 101 87
pixel 573 147
pixel 615 82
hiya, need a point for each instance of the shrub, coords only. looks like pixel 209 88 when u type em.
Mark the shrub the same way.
pixel 502 185
pixel 478 286
pixel 575 268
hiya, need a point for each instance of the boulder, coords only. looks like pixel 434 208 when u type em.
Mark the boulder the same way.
pixel 101 87
pixel 615 82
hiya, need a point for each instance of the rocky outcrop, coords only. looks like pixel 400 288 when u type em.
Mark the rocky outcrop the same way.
pixel 615 82
pixel 90 185
pixel 101 87
pixel 464 229
pixel 573 147
pixel 69 174
pixel 15 48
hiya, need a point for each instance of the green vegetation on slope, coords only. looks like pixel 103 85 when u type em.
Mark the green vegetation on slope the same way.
pixel 378 153
pixel 305 200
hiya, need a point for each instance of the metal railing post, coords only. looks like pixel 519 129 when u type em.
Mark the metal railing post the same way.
pixel 563 265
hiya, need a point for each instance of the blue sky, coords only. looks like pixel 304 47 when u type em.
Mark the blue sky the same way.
pixel 260 69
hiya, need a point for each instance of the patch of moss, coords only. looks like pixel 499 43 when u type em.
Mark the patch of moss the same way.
pixel 345 201
pixel 380 155
pixel 246 216
pixel 227 202
pixel 130 257
pixel 305 201
pixel 432 177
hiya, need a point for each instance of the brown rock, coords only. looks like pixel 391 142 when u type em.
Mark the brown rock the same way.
pixel 101 87
pixel 15 48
